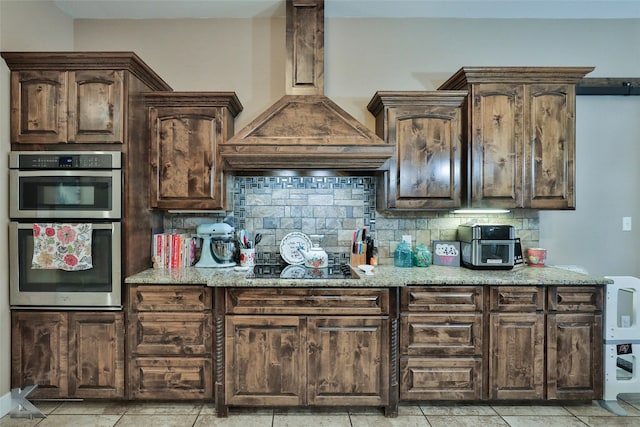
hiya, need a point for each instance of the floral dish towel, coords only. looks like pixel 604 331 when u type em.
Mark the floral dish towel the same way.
pixel 62 246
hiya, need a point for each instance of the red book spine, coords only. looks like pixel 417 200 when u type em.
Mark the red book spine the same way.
pixel 175 251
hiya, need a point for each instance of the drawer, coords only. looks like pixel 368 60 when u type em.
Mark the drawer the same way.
pixel 575 298
pixel 170 298
pixel 441 334
pixel 440 378
pixel 307 301
pixel 170 334
pixel 171 378
pixel 449 298
pixel 517 298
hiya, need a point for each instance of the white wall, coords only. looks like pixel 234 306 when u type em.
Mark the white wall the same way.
pixel 607 175
pixel 24 25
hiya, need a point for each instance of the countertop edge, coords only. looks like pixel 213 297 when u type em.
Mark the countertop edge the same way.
pixel 385 277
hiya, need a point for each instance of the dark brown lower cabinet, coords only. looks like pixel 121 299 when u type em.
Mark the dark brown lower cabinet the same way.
pixel 501 343
pixel 68 354
pixel 284 347
pixel 441 331
pixel 170 342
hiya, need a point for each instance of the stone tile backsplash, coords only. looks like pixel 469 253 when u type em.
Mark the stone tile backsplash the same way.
pixel 334 207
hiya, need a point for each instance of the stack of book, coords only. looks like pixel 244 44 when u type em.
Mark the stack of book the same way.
pixel 173 250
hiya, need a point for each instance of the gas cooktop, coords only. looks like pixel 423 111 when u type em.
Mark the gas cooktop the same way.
pixel 271 271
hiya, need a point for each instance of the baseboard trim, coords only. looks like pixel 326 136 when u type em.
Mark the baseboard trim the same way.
pixel 5 404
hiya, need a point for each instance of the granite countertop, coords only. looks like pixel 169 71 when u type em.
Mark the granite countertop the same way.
pixel 385 276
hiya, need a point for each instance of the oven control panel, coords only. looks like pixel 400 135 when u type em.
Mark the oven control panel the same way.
pixel 65 160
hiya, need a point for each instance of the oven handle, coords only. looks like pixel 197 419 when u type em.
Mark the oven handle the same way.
pixel 497 242
pixel 115 226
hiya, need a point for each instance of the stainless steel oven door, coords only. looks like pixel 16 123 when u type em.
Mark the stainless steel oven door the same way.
pixel 65 194
pixel 96 288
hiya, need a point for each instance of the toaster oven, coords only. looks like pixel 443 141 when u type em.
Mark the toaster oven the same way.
pixel 487 246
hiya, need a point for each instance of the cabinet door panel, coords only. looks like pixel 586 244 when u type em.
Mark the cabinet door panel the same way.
pixel 348 364
pixel 517 298
pixel 496 152
pixel 39 107
pixel 338 301
pixel 516 358
pixel 442 299
pixel 551 149
pixel 185 166
pixel 96 355
pixel 440 378
pixel 96 112
pixel 170 334
pixel 171 378
pixel 428 157
pixel 574 356
pixel 441 334
pixel 39 352
pixel 170 298
pixel 265 360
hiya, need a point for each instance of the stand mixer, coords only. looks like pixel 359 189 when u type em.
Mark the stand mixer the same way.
pixel 218 245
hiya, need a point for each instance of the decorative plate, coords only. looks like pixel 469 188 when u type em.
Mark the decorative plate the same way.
pixel 293 272
pixel 289 247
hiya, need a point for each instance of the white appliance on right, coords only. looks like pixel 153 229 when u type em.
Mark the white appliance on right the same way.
pixel 621 338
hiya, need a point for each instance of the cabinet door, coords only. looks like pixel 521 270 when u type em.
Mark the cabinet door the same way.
pixel 96 106
pixel 348 361
pixel 39 352
pixel 574 356
pixel 171 378
pixel 496 135
pixel 179 334
pixel 38 107
pixel 96 355
pixel 550 146
pixel 440 378
pixel 516 357
pixel 441 334
pixel 426 171
pixel 186 171
pixel 265 360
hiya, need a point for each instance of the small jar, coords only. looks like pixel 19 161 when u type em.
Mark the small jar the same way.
pixel 421 256
pixel 402 255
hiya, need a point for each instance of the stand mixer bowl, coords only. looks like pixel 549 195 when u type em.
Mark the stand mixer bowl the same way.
pixel 222 251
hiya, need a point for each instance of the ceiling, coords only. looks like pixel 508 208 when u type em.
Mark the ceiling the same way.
pixel 507 9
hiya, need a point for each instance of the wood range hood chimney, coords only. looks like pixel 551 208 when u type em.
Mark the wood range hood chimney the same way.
pixel 305 130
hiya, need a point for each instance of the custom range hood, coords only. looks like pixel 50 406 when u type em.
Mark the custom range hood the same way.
pixel 305 130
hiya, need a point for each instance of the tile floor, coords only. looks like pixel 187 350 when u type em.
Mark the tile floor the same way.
pixel 423 414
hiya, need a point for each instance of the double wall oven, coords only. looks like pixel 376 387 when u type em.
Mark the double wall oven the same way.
pixel 59 189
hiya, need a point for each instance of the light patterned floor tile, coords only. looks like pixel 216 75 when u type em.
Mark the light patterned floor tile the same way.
pixel 456 409
pixel 45 406
pixel 7 421
pixel 530 410
pixel 208 409
pixel 594 409
pixel 382 421
pixel 91 408
pixel 161 420
pixel 466 421
pixel 546 421
pixel 317 420
pixel 611 421
pixel 79 421
pixel 312 411
pixel 234 421
pixel 157 408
